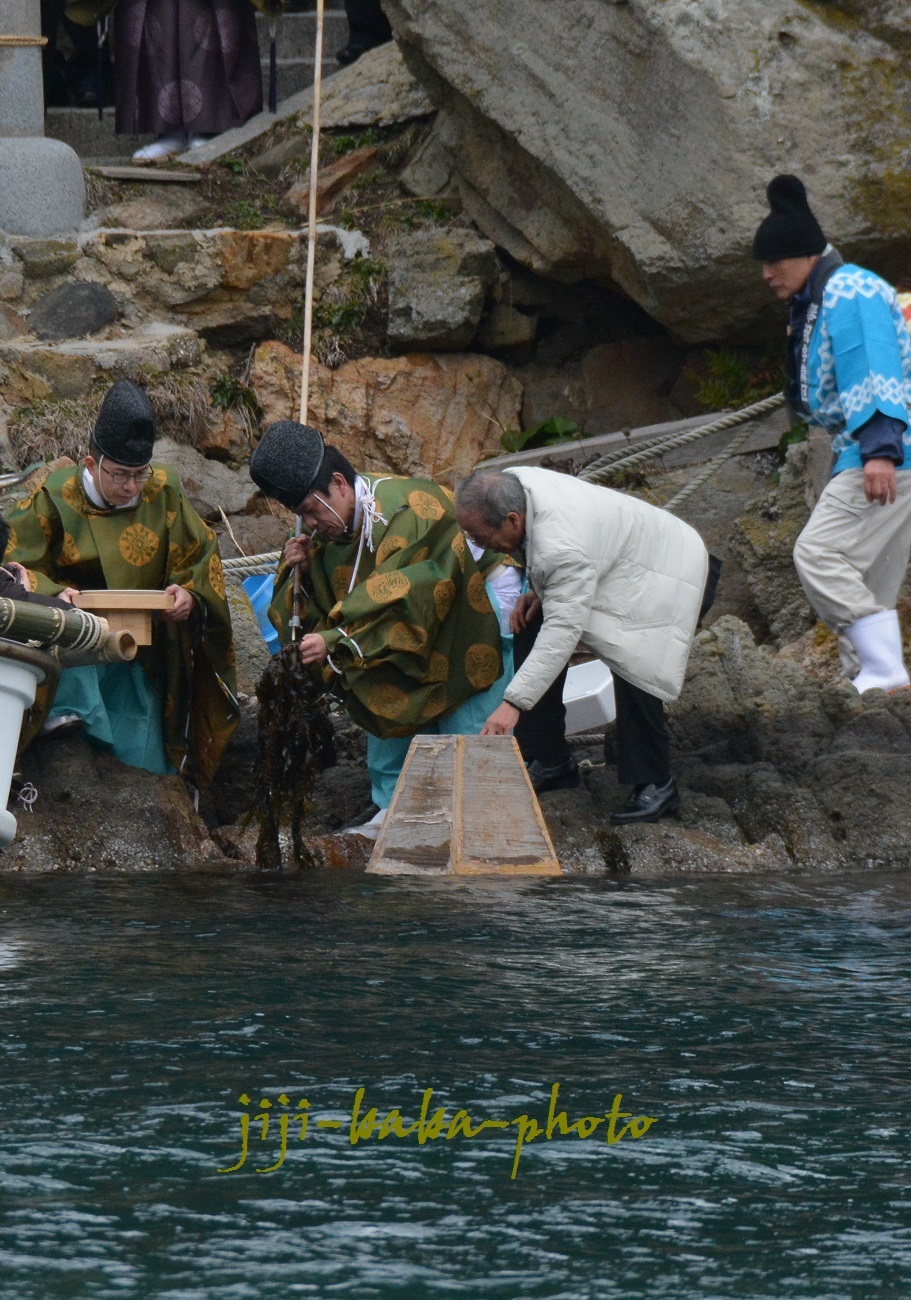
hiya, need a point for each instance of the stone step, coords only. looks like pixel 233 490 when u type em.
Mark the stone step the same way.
pixel 92 140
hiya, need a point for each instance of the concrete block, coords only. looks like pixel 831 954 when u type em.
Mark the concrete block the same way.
pixel 42 190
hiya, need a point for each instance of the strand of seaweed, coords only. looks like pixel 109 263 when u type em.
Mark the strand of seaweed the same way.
pixel 295 742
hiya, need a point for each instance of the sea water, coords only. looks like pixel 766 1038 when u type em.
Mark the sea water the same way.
pixel 406 1035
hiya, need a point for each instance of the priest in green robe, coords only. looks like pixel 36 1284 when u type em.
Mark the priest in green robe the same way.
pixel 122 521
pixel 394 607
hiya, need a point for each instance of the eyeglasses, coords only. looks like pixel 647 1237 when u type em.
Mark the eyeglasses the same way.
pixel 139 476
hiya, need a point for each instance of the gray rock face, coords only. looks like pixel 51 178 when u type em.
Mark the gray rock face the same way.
pixel 95 814
pixel 438 281
pixel 762 541
pixel 209 485
pixel 73 310
pixel 632 142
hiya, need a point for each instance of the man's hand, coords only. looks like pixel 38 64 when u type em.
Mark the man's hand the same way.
pixel 20 573
pixel 67 594
pixel 313 649
pixel 525 609
pixel 183 605
pixel 879 481
pixel 297 552
pixel 501 721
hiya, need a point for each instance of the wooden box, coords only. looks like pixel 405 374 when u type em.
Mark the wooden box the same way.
pixel 126 610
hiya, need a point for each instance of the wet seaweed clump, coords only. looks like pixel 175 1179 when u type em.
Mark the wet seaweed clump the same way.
pixel 295 743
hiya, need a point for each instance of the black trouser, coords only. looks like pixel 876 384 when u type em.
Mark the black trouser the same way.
pixel 642 742
pixel 367 24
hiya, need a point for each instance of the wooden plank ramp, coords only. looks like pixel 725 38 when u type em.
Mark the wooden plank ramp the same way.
pixel 464 806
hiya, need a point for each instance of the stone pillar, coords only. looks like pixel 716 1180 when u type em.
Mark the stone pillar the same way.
pixel 42 190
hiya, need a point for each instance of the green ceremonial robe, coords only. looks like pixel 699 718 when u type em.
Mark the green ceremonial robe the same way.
pixel 64 540
pixel 417 635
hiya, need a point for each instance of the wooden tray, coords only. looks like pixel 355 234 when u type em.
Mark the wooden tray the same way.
pixel 126 609
pixel 464 806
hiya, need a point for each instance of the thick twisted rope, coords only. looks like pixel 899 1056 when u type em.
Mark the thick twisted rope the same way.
pixel 710 470
pixel 605 465
pixel 243 565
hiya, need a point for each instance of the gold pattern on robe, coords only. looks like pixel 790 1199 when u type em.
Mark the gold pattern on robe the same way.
pixel 217 575
pixel 138 545
pixel 69 551
pixel 387 701
pixel 391 543
pixel 74 495
pixel 341 581
pixel 182 557
pixel 426 506
pixel 407 636
pixel 436 704
pixel 155 484
pixel 482 666
pixel 383 588
pixel 439 668
pixel 477 594
pixel 444 594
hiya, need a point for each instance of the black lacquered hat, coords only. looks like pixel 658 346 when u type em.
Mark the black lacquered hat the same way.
pixel 125 428
pixel 287 461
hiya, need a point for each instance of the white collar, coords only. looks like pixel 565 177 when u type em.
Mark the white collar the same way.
pixel 91 491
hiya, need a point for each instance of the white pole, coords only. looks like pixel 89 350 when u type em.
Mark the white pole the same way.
pixel 295 621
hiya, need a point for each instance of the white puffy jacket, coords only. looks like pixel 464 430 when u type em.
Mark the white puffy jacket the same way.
pixel 620 576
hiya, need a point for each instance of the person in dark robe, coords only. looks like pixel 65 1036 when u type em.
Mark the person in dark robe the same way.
pixel 185 70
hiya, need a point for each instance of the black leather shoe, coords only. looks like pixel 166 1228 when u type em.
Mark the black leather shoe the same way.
pixel 648 803
pixel 559 776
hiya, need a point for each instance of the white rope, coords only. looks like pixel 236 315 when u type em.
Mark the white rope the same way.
pixel 265 562
pixel 295 620
pixel 605 465
pixel 27 796
pixel 311 211
pixel 370 515
pixel 710 470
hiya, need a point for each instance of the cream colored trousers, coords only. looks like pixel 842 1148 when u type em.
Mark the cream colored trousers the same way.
pixel 852 555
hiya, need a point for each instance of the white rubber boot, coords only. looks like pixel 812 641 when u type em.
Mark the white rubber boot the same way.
pixel 877 643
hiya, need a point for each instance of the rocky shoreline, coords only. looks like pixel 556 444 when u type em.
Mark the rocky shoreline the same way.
pixel 472 283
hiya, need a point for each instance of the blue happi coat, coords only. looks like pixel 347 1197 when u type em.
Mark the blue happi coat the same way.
pixel 853 357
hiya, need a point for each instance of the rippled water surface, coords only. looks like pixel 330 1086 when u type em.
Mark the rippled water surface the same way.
pixel 763 1025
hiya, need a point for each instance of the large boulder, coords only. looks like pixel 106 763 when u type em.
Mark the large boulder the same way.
pixel 438 280
pixel 631 140
pixel 429 416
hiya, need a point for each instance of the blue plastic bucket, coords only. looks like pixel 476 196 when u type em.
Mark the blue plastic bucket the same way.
pixel 259 589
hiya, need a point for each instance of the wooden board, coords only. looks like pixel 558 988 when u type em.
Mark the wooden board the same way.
pixel 126 609
pixel 156 174
pixel 464 805
pixel 123 598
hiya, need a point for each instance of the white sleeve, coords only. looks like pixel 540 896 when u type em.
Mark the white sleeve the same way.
pixel 505 582
pixel 566 600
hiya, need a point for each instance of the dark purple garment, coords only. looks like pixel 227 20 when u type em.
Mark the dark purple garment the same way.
pixel 188 65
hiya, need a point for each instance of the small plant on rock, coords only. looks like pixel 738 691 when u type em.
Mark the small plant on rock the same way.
pixel 549 433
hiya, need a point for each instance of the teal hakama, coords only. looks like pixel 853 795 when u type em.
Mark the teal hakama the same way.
pixel 121 710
